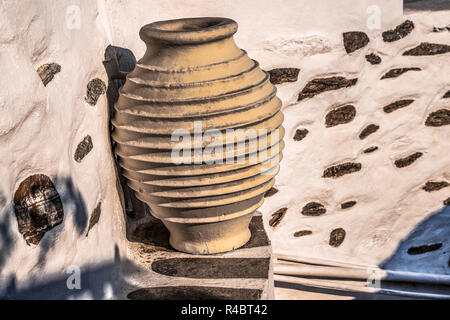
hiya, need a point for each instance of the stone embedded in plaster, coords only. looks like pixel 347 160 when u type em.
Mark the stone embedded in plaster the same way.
pixel 367 131
pixel 83 148
pixel 431 186
pixel 48 71
pixel 281 75
pixel 373 58
pixel 447 202
pixel 348 204
pixel 300 134
pixel 355 40
pixel 440 29
pixel 277 217
pixel 195 293
pixel 446 95
pixel 95 88
pixel 407 161
pixel 428 49
pixel 397 105
pixel 399 32
pixel 213 268
pixel 339 170
pixel 424 249
pixel 394 73
pixel 371 149
pixel 314 209
pixel 317 86
pixel 38 207
pixel 340 115
pixel 302 233
pixel 95 217
pixel 337 237
pixel 270 192
pixel 438 118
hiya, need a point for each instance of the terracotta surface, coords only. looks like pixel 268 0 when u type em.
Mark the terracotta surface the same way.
pixel 193 72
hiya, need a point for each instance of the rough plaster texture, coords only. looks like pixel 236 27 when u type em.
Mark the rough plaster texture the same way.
pixel 41 127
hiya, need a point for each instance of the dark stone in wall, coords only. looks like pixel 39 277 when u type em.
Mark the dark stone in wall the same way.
pixel 394 73
pixel 399 32
pixel 355 40
pixel 348 204
pixel 38 207
pixel 314 209
pixel 367 131
pixel 340 115
pixel 438 118
pixel 302 233
pixel 446 95
pixel 341 169
pixel 213 268
pixel 95 217
pixel 48 71
pixel 281 75
pixel 431 186
pixel 397 105
pixel 447 202
pixel 83 148
pixel 277 217
pixel 95 89
pixel 371 149
pixel 300 134
pixel 407 161
pixel 317 86
pixel 373 58
pixel 337 237
pixel 428 49
pixel 440 29
pixel 270 192
pixel 424 249
pixel 194 293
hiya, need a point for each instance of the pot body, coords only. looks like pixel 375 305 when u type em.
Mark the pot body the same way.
pixel 199 133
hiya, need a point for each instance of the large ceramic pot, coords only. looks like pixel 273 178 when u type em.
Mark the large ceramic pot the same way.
pixel 195 88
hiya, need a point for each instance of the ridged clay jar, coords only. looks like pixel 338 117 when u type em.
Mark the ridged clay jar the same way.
pixel 193 72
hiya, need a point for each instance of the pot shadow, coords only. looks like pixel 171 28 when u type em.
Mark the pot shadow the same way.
pixel 118 63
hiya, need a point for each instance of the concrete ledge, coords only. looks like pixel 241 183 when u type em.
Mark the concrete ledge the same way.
pixel 166 274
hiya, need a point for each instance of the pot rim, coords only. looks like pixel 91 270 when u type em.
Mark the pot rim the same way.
pixel 189 30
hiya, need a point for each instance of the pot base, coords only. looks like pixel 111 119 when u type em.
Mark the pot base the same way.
pixel 210 238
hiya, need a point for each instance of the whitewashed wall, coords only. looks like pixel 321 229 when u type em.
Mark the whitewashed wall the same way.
pixel 41 127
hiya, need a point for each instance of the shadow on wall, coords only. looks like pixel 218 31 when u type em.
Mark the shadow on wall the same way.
pixel 423 5
pixel 418 268
pixel 427 247
pixel 97 281
pixel 40 211
pixel 118 63
pixel 34 215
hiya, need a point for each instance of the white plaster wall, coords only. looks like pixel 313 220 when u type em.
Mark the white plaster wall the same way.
pixel 259 20
pixel 40 127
